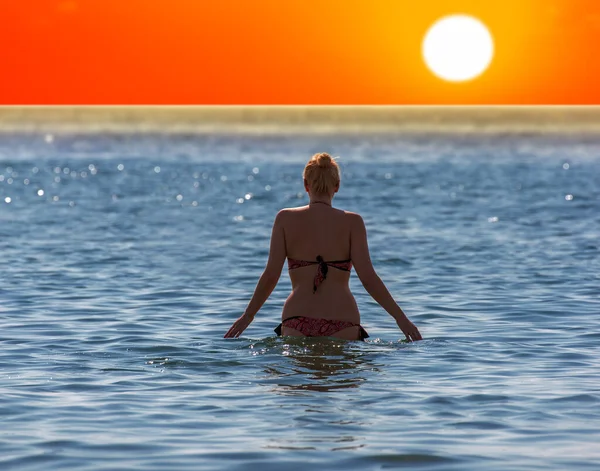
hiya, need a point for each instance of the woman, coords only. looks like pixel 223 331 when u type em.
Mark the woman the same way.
pixel 321 244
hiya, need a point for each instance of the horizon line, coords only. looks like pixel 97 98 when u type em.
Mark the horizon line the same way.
pixel 294 119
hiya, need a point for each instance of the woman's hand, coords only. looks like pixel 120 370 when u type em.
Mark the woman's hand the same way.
pixel 239 326
pixel 410 330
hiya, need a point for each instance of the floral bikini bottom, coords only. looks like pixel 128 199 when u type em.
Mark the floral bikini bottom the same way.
pixel 312 327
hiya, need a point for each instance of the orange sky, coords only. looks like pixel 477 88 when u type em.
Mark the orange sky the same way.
pixel 288 52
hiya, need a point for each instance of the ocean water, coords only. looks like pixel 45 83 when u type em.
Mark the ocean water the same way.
pixel 126 257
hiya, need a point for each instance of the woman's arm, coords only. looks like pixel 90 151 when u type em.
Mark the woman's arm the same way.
pixel 361 260
pixel 267 281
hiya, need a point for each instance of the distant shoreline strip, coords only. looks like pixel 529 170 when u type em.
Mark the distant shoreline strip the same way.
pixel 301 119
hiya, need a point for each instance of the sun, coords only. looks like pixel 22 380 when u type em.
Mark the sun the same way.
pixel 458 48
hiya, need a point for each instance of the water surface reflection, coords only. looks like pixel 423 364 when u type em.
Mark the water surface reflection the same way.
pixel 322 365
pixel 315 382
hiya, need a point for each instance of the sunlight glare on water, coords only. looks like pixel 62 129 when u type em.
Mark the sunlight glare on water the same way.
pixel 127 257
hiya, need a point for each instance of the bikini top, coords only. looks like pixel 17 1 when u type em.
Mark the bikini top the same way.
pixel 322 267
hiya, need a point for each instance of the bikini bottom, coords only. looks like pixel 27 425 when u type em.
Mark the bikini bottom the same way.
pixel 312 327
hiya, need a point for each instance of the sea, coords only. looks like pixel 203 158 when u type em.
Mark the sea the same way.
pixel 126 257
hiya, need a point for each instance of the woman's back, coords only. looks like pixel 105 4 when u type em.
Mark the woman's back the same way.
pixel 317 229
pixel 312 231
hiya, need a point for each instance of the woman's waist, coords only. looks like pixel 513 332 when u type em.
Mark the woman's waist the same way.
pixel 338 306
pixel 336 284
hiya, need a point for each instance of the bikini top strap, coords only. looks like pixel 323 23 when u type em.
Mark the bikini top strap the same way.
pixel 293 263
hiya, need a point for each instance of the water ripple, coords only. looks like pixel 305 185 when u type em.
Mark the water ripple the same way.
pixel 126 258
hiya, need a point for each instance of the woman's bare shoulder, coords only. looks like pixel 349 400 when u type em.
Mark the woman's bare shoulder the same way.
pixel 288 214
pixel 288 211
pixel 353 217
pixel 350 213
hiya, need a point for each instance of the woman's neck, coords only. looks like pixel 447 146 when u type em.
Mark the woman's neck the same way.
pixel 328 203
pixel 320 199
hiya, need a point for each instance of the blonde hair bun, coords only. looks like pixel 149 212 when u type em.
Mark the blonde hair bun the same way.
pixel 322 173
pixel 323 159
